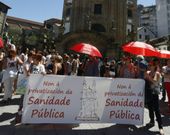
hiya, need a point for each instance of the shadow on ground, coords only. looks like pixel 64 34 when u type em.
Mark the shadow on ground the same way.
pixel 14 101
pixel 36 130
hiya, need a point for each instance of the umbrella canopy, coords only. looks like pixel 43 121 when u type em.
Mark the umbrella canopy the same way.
pixel 86 49
pixel 1 43
pixel 140 48
pixel 164 54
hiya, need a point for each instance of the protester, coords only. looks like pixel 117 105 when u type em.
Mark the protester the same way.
pixel 166 74
pixel 24 57
pixel 127 70
pixel 141 65
pixel 57 65
pixel 113 68
pixel 67 65
pixel 153 77
pixel 2 55
pixel 91 67
pixel 10 74
pixel 38 67
pixel 107 72
pixel 75 64
pixel 103 67
pixel 27 66
pixel 26 71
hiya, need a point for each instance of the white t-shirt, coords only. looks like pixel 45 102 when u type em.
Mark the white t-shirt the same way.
pixel 166 70
pixel 48 60
pixel 27 66
pixel 11 69
pixel 43 59
pixel 38 69
pixel 23 57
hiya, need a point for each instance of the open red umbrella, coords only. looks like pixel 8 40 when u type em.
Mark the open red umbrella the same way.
pixel 140 48
pixel 1 43
pixel 164 54
pixel 86 49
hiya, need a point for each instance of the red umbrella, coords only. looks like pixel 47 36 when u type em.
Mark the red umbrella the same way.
pixel 140 48
pixel 86 49
pixel 163 54
pixel 1 43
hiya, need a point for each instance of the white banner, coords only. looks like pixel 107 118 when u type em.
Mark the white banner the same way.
pixel 71 99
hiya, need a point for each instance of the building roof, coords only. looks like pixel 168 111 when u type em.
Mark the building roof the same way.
pixel 139 28
pixel 10 18
pixel 54 21
pixel 143 27
pixel 5 5
pixel 148 9
pixel 23 23
pixel 160 41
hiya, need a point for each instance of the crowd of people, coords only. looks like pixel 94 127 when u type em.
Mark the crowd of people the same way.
pixel 155 73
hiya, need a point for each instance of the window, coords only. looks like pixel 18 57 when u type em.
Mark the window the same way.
pixel 140 36
pixel 128 31
pixel 147 37
pixel 98 28
pixel 168 22
pixel 165 48
pixel 168 1
pixel 168 14
pixel 130 13
pixel 48 26
pixel 98 9
pixel 68 12
pixel 168 7
pixel 145 30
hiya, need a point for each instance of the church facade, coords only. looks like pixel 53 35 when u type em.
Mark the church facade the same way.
pixel 102 23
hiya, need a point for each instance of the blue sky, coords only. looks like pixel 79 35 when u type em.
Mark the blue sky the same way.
pixel 40 10
pixel 146 2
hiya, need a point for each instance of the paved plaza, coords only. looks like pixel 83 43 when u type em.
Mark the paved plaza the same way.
pixel 8 127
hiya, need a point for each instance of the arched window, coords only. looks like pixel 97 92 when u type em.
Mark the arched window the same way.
pixel 98 28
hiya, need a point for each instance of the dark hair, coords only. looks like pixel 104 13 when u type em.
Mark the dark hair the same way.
pixel 76 56
pixel 13 52
pixel 107 68
pixel 38 57
pixel 152 63
pixel 31 54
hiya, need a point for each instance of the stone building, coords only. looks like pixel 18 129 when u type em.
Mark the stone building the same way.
pixel 163 17
pixel 3 14
pixel 144 34
pixel 148 19
pixel 22 32
pixel 132 20
pixel 31 34
pixel 102 23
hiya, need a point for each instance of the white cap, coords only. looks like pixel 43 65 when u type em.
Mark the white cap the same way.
pixel 11 46
pixel 140 57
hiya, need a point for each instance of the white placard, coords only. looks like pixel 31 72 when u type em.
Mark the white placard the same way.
pixel 71 99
